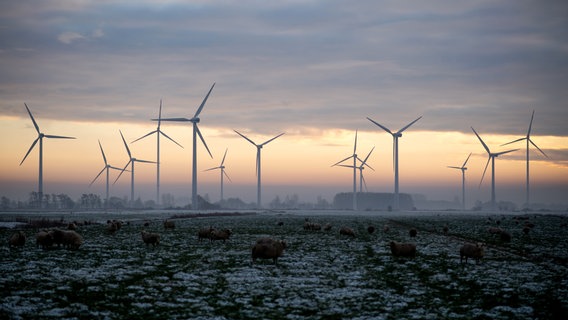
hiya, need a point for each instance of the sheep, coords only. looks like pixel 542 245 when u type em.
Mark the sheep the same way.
pixel 399 249
pixel 280 223
pixel 44 239
pixel 370 229
pixel 150 238
pixel 347 232
pixel 72 240
pixel 327 227
pixel 72 226
pixel 445 229
pixel 267 248
pixel 526 230
pixel 412 232
pixel 168 224
pixel 505 236
pixel 312 226
pixel 18 239
pixel 57 235
pixel 112 226
pixel 494 230
pixel 386 228
pixel 471 250
pixel 220 235
pixel 204 233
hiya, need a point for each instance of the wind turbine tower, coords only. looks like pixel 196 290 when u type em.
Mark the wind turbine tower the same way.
pixel 106 167
pixel 528 139
pixel 361 167
pixel 158 132
pixel 395 137
pixel 223 173
pixel 131 161
pixel 354 166
pixel 194 120
pixel 39 138
pixel 463 168
pixel 258 171
pixel 491 157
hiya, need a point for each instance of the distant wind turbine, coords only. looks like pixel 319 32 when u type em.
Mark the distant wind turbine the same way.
pixel 395 137
pixel 223 173
pixel 158 132
pixel 130 162
pixel 40 137
pixel 194 120
pixel 528 139
pixel 463 168
pixel 258 171
pixel 106 167
pixel 354 166
pixel 360 168
pixel 491 157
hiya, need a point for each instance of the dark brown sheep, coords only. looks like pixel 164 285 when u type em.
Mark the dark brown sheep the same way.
pixel 412 232
pixel 267 248
pixel 18 239
pixel 471 250
pixel 72 240
pixel 44 239
pixel 327 227
pixel 399 249
pixel 494 230
pixel 204 233
pixel 346 231
pixel 505 236
pixel 370 229
pixel 220 235
pixel 150 238
pixel 169 224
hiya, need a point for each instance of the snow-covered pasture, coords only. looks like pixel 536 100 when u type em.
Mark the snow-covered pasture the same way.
pixel 321 274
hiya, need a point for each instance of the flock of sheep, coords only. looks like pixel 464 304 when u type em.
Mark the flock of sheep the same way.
pixel 264 248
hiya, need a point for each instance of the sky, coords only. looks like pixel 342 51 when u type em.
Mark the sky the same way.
pixel 312 69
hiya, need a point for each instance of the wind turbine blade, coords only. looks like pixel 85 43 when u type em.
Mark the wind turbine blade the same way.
pixel 463 166
pixel 30 149
pixel 115 168
pixel 160 115
pixel 346 166
pixel 355 144
pixel 102 151
pixel 173 119
pixel 367 157
pixel 364 183
pixel 454 167
pixel 538 148
pixel 126 145
pixel 145 161
pixel 266 142
pixel 486 165
pixel 338 162
pixel 530 125
pixel 203 103
pixel 90 184
pixel 33 120
pixel 249 140
pixel 223 161
pixel 57 137
pixel 203 140
pixel 520 139
pixel 408 125
pixel 504 152
pixel 144 136
pixel 122 171
pixel 483 143
pixel 210 169
pixel 172 140
pixel 226 175
pixel 384 128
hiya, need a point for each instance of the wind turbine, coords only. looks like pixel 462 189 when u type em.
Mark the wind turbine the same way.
pixel 463 168
pixel 130 162
pixel 491 157
pixel 194 120
pixel 158 132
pixel 223 173
pixel 354 156
pixel 360 168
pixel 395 137
pixel 40 137
pixel 106 167
pixel 528 139
pixel 258 150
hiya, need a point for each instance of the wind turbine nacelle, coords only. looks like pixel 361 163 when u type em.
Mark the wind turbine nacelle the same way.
pixel 195 120
pixel 398 135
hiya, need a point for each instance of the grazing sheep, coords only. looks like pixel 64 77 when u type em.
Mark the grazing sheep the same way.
pixel 267 248
pixel 168 224
pixel 494 230
pixel 44 239
pixel 204 233
pixel 399 249
pixel 526 230
pixel 112 226
pixel 312 226
pixel 146 224
pixel 58 235
pixel 18 239
pixel 72 240
pixel 505 236
pixel 471 250
pixel 72 226
pixel 370 229
pixel 445 229
pixel 220 235
pixel 412 232
pixel 386 228
pixel 150 238
pixel 280 223
pixel 327 227
pixel 347 232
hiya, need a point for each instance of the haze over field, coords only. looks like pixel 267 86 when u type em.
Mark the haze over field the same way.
pixel 312 69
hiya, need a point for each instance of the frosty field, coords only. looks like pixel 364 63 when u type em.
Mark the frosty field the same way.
pixel 321 275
